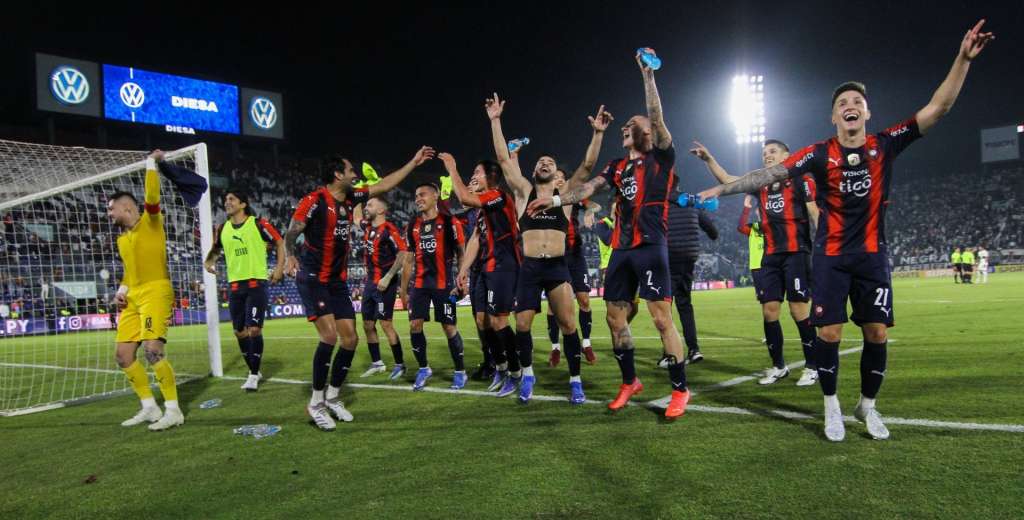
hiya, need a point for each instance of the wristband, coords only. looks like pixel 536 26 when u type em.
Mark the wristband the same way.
pixel 556 201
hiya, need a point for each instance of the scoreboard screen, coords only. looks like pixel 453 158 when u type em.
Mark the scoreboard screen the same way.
pixel 141 96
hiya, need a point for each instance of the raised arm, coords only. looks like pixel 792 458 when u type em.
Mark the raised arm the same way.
pixel 599 122
pixel 152 202
pixel 702 153
pixel 389 181
pixel 513 175
pixel 944 97
pixel 465 196
pixel 660 135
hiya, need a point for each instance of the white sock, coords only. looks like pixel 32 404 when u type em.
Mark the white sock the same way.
pixel 317 398
pixel 586 342
pixel 575 379
pixel 332 392
pixel 556 346
pixel 148 402
pixel 460 371
pixel 866 403
pixel 528 371
pixel 171 405
pixel 831 403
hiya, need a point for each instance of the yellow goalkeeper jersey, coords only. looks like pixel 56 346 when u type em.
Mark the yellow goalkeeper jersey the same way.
pixel 143 248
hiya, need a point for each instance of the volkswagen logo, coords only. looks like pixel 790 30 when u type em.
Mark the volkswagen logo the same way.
pixel 132 95
pixel 263 113
pixel 69 85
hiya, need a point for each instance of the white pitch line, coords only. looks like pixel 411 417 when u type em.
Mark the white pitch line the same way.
pixel 743 379
pixel 545 338
pixel 730 410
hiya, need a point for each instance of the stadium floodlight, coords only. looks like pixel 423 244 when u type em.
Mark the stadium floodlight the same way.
pixel 746 108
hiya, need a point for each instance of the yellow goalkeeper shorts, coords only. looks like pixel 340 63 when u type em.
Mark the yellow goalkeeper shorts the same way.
pixel 148 314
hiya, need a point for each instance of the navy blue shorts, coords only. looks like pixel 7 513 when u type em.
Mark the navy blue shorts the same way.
pixel 644 268
pixel 579 272
pixel 247 303
pixel 444 307
pixel 498 289
pixel 863 278
pixel 379 305
pixel 477 294
pixel 325 299
pixel 785 274
pixel 537 275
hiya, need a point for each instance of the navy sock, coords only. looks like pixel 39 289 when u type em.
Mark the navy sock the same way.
pixel 374 351
pixel 419 348
pixel 508 342
pixel 243 347
pixel 342 362
pixel 625 359
pixel 677 373
pixel 586 320
pixel 456 349
pixel 493 342
pixel 773 336
pixel 524 340
pixel 872 368
pixel 553 329
pixel 255 354
pixel 485 347
pixel 396 351
pixel 321 365
pixel 807 340
pixel 828 365
pixel 573 352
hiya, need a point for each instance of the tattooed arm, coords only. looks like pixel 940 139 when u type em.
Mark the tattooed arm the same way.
pixel 581 192
pixel 660 135
pixel 748 183
pixel 291 246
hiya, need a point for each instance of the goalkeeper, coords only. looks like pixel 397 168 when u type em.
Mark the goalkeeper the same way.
pixel 145 299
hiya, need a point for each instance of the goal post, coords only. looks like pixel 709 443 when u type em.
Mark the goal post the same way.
pixel 59 271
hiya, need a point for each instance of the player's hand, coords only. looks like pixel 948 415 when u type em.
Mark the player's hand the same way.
pixel 589 219
pixel 701 152
pixel 494 106
pixel 462 281
pixel 382 285
pixel 449 162
pixel 403 296
pixel 710 193
pixel 748 202
pixel 277 275
pixel 424 154
pixel 291 266
pixel 157 155
pixel 121 300
pixel 974 41
pixel 539 204
pixel 601 120
pixel 644 68
pixel 211 267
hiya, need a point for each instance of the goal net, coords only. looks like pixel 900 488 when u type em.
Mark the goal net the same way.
pixel 60 270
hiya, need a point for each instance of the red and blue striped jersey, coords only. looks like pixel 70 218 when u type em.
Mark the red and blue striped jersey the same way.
pixel 383 243
pixel 434 243
pixel 852 188
pixel 783 208
pixel 642 190
pixel 499 232
pixel 327 234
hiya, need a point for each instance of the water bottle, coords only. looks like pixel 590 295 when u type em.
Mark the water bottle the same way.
pixel 648 56
pixel 265 430
pixel 516 144
pixel 687 200
pixel 244 430
pixel 212 403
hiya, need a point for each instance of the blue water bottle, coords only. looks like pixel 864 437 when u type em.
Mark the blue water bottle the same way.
pixel 687 200
pixel 648 56
pixel 516 144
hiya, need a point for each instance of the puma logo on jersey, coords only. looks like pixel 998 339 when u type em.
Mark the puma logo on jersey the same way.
pixel 833 162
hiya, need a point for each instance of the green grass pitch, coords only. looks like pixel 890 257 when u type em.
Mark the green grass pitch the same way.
pixel 955 356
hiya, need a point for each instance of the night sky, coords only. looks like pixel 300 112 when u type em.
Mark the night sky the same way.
pixel 377 82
